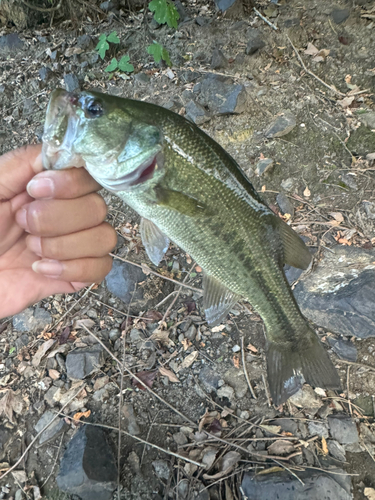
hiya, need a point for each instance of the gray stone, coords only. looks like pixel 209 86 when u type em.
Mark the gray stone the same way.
pixel 88 468
pixel 340 294
pixel 180 438
pixel 317 428
pixel 264 166
pixel 10 43
pixel 344 348
pixel 201 20
pixel 340 15
pixel 209 378
pixel 142 78
pixel 255 42
pixel 343 429
pixel 114 334
pixel 85 42
pixel 196 113
pixel 221 96
pixel 108 5
pixel 306 398
pixel 71 82
pixel 45 73
pixel 369 207
pixel 224 5
pixel 218 60
pixel 236 379
pixel 28 107
pixel 181 11
pixel 285 204
pixel 19 495
pixel 283 486
pixel 57 427
pixel 281 125
pixel 82 362
pixel 32 320
pixel 336 450
pixel 21 341
pixel 131 421
pixel 161 468
pixel 122 279
pixel 368 119
pixel 191 332
pixel 226 391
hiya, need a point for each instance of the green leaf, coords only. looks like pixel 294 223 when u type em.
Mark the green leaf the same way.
pixel 113 38
pixel 102 46
pixel 164 12
pixel 112 66
pixel 11 350
pixel 159 52
pixel 124 65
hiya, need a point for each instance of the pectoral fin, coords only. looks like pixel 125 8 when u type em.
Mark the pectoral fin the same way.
pixel 154 241
pixel 180 202
pixel 217 300
pixel 296 253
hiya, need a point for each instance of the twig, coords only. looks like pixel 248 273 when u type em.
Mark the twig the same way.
pixel 187 419
pixel 245 369
pixel 39 433
pixel 290 471
pixel 55 461
pixel 333 89
pixel 360 365
pixel 156 274
pixel 266 389
pixel 42 9
pixel 265 19
pixel 165 299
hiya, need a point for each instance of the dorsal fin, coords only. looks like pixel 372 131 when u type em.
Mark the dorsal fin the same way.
pixel 217 300
pixel 154 241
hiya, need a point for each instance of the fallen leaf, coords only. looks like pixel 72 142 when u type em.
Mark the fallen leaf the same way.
pixel 40 353
pixel 147 377
pixel 168 373
pixel 311 50
pixel 321 55
pixel 369 493
pixel 236 361
pixel 186 344
pixel 274 429
pixel 307 192
pixel 80 323
pixel 64 335
pixel 337 216
pixel 346 102
pixel 10 403
pixel 19 476
pixel 215 426
pixel 101 382
pixel 218 328
pixel 152 316
pixel 146 269
pixel 324 446
pixel 271 470
pixel 228 461
pixel 162 336
pixel 281 447
pixel 190 306
pixel 70 51
pixel 189 360
pixel 80 414
pixel 252 348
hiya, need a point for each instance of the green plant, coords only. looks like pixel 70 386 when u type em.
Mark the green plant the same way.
pixel 159 52
pixel 104 41
pixel 121 65
pixel 164 12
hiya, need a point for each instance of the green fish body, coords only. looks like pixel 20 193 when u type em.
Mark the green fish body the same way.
pixel 187 189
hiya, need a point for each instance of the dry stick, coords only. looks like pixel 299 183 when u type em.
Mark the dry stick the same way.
pixel 168 452
pixel 39 433
pixel 265 19
pixel 245 369
pixel 178 292
pixel 156 274
pixel 333 89
pixel 139 380
pixel 360 365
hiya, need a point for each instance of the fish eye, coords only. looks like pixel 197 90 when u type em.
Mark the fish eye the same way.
pixel 94 109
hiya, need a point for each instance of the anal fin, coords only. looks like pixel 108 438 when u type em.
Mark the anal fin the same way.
pixel 217 300
pixel 155 242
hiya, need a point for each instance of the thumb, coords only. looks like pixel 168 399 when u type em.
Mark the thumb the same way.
pixel 17 168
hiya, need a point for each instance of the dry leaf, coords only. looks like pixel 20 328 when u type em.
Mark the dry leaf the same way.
pixel 152 316
pixel 337 216
pixel 162 336
pixel 36 493
pixel 281 447
pixel 80 414
pixel 307 192
pixel 80 323
pixel 70 51
pixel 61 348
pixel 147 377
pixel 324 446
pixel 53 374
pixel 369 493
pixel 252 348
pixel 346 102
pixel 101 382
pixel 42 351
pixel 19 476
pixel 236 361
pixel 186 343
pixel 146 269
pixel 189 360
pixel 227 463
pixel 168 373
pixel 271 470
pixel 274 429
pixel 10 403
pixel 311 50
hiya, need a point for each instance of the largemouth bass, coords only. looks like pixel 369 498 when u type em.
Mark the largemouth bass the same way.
pixel 189 190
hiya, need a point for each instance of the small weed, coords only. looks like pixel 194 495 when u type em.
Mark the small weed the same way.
pixel 159 52
pixel 104 41
pixel 121 65
pixel 164 12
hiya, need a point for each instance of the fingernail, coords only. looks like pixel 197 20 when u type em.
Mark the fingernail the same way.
pixel 48 267
pixel 35 244
pixel 42 187
pixel 21 219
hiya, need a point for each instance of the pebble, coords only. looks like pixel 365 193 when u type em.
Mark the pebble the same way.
pixel 10 42
pixel 343 429
pixel 336 450
pixel 340 15
pixel 220 95
pixel 21 341
pixel 142 78
pixel 56 428
pixel 368 119
pixel 45 73
pixel 191 333
pixel 161 468
pixel 122 279
pixel 180 438
pixel 317 428
pixel 85 42
pixel 236 379
pixel 71 82
pixel 32 320
pixel 82 362
pixel 131 421
pixel 255 41
pixel 225 391
pixel 236 348
pixel 218 61
pixel 114 334
pixel 91 313
pixel 285 204
pixel 306 398
pixel 209 378
pixel 344 348
pixel 88 467
pixel 264 166
pixel 282 125
pixel 224 5
pixel 19 495
pixel 196 113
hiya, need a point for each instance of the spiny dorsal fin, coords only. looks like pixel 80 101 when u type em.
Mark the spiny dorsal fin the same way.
pixel 154 241
pixel 296 253
pixel 217 300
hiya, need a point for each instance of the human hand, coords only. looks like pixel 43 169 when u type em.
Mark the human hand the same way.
pixel 52 235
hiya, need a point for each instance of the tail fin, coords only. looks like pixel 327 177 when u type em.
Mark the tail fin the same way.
pixel 290 365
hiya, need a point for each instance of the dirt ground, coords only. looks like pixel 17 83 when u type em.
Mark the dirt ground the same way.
pixel 321 164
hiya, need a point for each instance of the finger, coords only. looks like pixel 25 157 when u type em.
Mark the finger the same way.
pixel 87 270
pixel 17 167
pixel 58 217
pixel 62 184
pixel 94 242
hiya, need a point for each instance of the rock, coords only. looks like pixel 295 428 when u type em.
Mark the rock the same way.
pixel 191 332
pixel 32 320
pixel 108 5
pixel 340 294
pixel 161 468
pixel 236 378
pixel 202 21
pixel 306 398
pixel 122 279
pixel 224 5
pixel 131 421
pixel 71 82
pixel 264 166
pixel 218 60
pixel 343 429
pixel 285 204
pixel 283 486
pixel 340 15
pixel 221 96
pixel 85 42
pixel 317 428
pixel 56 428
pixel 226 391
pixel 45 73
pixel 180 438
pixel 196 113
pixel 368 119
pixel 255 42
pixel 236 348
pixel 142 78
pixel 181 11
pixel 19 495
pixel 282 125
pixel 369 207
pixel 28 107
pixel 21 341
pixel 88 468
pixel 209 378
pixel 114 334
pixel 336 450
pixel 82 362
pixel 10 43
pixel 345 349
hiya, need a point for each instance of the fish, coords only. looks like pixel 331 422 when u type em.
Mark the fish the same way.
pixel 189 190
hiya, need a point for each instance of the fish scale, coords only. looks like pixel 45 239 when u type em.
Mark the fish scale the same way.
pixel 189 190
